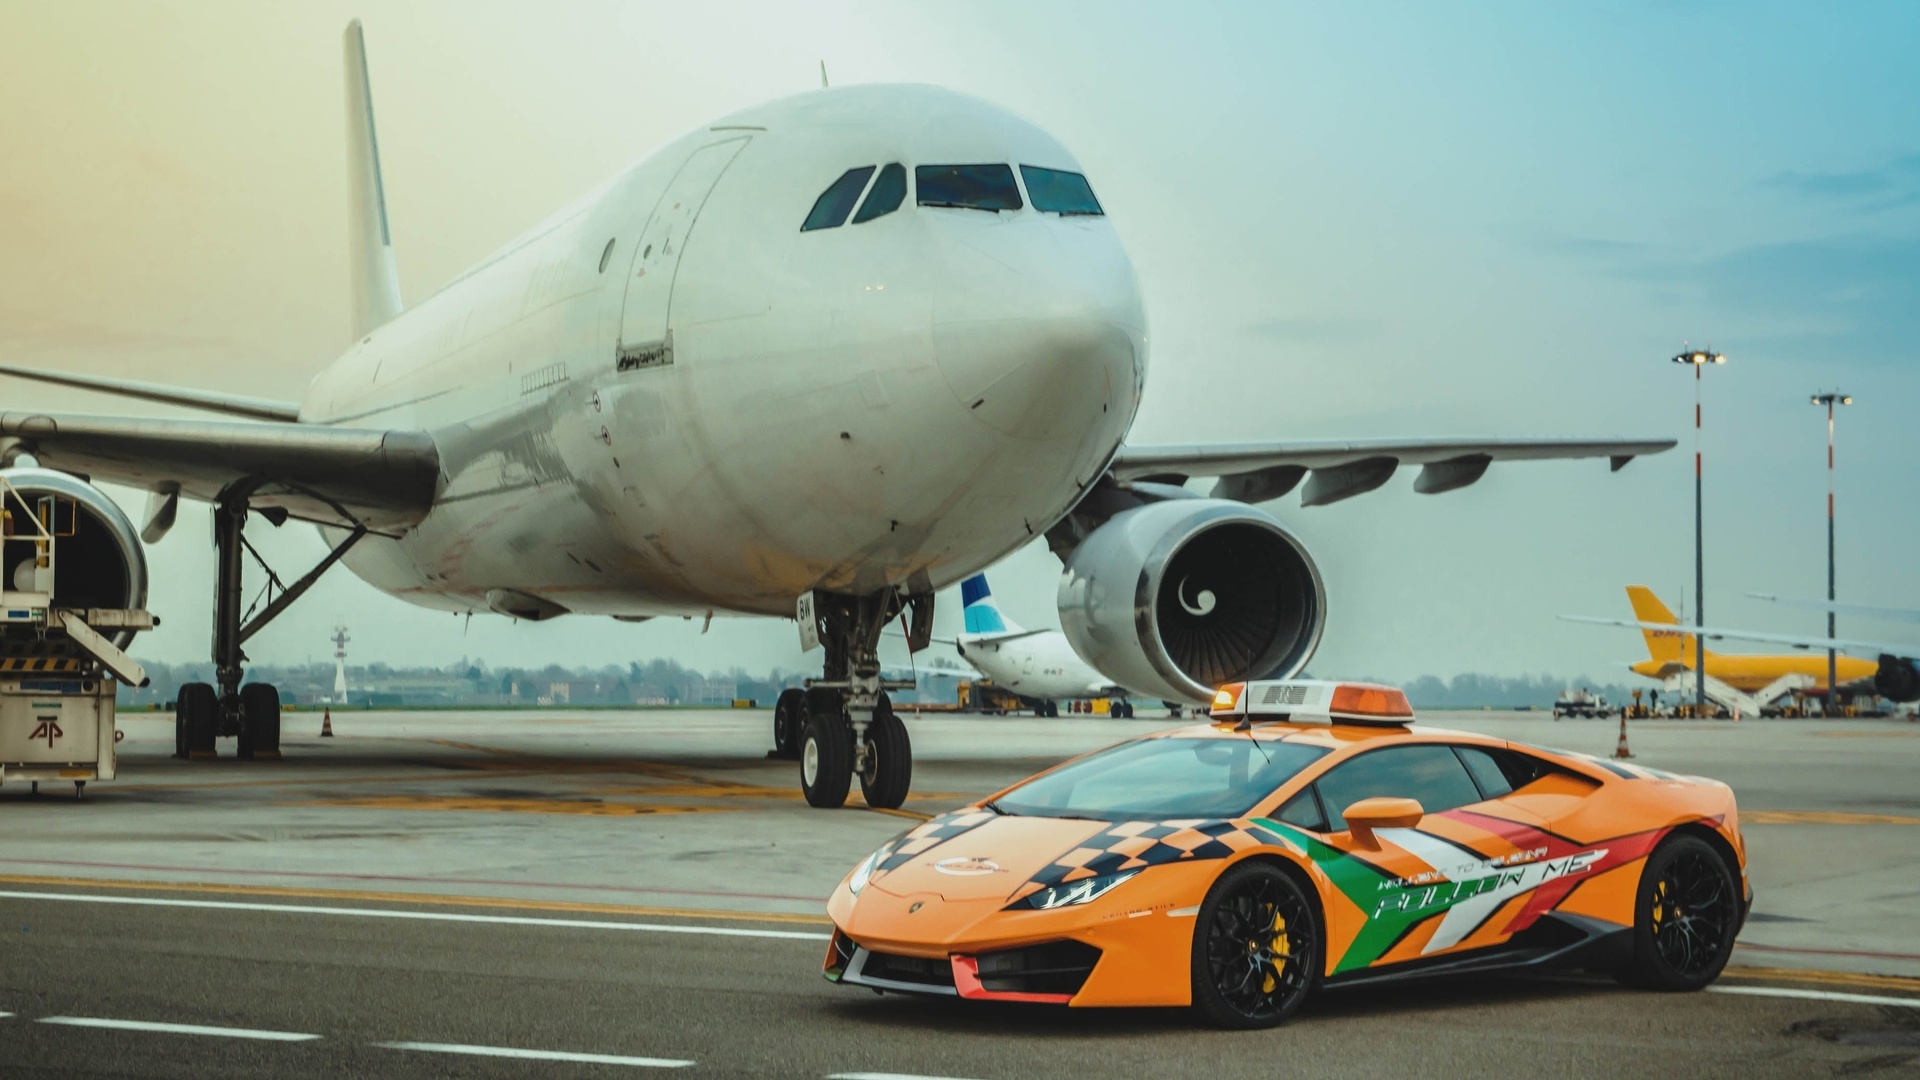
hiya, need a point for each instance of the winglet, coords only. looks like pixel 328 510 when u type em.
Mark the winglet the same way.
pixel 375 279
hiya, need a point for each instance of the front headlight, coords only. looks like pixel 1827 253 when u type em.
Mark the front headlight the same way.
pixel 1084 891
pixel 864 873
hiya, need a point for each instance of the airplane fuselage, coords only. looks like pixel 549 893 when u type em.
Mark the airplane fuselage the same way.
pixel 1753 673
pixel 670 399
pixel 1039 665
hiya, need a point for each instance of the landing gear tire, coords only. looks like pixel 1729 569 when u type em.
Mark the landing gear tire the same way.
pixel 196 716
pixel 259 721
pixel 826 758
pixel 1685 917
pixel 789 717
pixel 1256 948
pixel 889 771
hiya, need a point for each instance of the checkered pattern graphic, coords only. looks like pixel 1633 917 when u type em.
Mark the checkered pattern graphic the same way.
pixel 1132 845
pixel 930 835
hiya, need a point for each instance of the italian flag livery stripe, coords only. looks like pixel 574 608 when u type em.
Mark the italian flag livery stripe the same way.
pixel 1458 886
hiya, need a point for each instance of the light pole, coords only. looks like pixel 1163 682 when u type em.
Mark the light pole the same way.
pixel 1698 359
pixel 1831 398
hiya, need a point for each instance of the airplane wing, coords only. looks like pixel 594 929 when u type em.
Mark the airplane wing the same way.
pixel 1867 610
pixel 1798 641
pixel 1341 469
pixel 383 479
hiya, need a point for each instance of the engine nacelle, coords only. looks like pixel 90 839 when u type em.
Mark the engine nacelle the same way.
pixel 1174 598
pixel 1897 679
pixel 101 565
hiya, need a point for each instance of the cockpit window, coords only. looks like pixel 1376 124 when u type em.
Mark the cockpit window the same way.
pixel 830 210
pixel 887 194
pixel 968 187
pixel 1056 192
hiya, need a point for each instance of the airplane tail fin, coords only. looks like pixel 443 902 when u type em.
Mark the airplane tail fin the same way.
pixel 982 614
pixel 1665 646
pixel 375 280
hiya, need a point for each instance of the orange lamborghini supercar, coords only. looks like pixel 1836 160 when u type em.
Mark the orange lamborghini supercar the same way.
pixel 1310 835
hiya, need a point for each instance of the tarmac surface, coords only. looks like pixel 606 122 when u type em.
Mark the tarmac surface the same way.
pixel 429 891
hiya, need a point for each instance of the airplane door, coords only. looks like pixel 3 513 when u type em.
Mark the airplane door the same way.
pixel 643 320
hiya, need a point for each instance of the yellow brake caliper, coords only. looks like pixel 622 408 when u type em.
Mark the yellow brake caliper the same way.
pixel 1282 950
pixel 1659 904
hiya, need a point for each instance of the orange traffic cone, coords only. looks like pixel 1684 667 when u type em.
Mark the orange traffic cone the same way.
pixel 1621 751
pixel 326 727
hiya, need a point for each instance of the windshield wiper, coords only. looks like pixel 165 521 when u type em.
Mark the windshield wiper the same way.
pixel 1081 213
pixel 995 807
pixel 961 206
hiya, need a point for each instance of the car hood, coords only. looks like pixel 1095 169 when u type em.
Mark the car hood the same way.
pixel 960 858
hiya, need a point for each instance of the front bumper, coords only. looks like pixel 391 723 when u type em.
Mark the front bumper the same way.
pixel 1131 947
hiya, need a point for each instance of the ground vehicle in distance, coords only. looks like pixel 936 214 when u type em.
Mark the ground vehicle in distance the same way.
pixel 1311 835
pixel 1579 703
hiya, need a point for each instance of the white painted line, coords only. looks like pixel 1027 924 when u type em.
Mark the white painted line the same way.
pixel 179 1029
pixel 889 1076
pixel 1817 995
pixel 538 1055
pixel 424 916
pixel 3 1016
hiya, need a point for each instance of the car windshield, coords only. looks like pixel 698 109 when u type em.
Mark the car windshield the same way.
pixel 1163 779
pixel 969 187
pixel 1057 192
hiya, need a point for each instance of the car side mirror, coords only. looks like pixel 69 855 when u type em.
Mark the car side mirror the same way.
pixel 1369 814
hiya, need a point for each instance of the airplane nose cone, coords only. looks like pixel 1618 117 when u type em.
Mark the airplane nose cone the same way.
pixel 1038 335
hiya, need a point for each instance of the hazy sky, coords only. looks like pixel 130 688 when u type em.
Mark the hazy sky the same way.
pixel 1348 220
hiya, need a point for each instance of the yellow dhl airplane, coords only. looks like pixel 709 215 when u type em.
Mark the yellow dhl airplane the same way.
pixel 1672 652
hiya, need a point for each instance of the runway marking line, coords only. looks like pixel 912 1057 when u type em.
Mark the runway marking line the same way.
pixel 1817 995
pixel 178 1029
pixel 1827 978
pixel 343 876
pixel 423 916
pixel 1870 955
pixel 537 1055
pixel 1822 817
pixel 555 805
pixel 888 1076
pixel 428 899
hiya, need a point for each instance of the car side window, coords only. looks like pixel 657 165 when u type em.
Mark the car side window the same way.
pixel 1432 774
pixel 889 191
pixel 1486 771
pixel 830 210
pixel 1303 811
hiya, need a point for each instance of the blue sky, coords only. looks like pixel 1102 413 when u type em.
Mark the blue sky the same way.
pixel 1362 219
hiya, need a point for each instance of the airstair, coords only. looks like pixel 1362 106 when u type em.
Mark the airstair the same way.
pixel 59 668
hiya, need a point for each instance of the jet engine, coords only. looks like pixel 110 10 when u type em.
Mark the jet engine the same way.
pixel 1173 598
pixel 1897 679
pixel 97 562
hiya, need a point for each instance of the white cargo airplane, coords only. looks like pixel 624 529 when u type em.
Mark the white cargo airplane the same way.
pixel 815 360
pixel 1039 665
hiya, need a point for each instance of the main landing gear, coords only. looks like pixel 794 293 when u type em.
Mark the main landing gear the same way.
pixel 251 712
pixel 843 724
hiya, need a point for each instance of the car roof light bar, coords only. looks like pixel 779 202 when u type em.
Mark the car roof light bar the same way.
pixel 1315 701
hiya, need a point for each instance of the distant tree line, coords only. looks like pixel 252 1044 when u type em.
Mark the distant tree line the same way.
pixel 668 682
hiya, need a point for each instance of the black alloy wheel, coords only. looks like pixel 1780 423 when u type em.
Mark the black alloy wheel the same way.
pixel 1685 917
pixel 788 717
pixel 826 756
pixel 889 768
pixel 260 721
pixel 1256 948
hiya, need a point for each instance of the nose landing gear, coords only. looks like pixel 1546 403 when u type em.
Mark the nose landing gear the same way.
pixel 845 722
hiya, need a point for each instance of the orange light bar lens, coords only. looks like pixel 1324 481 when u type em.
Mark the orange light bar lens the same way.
pixel 1360 699
pixel 1227 698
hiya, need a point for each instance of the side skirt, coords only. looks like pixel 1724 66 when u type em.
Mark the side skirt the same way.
pixel 1555 941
